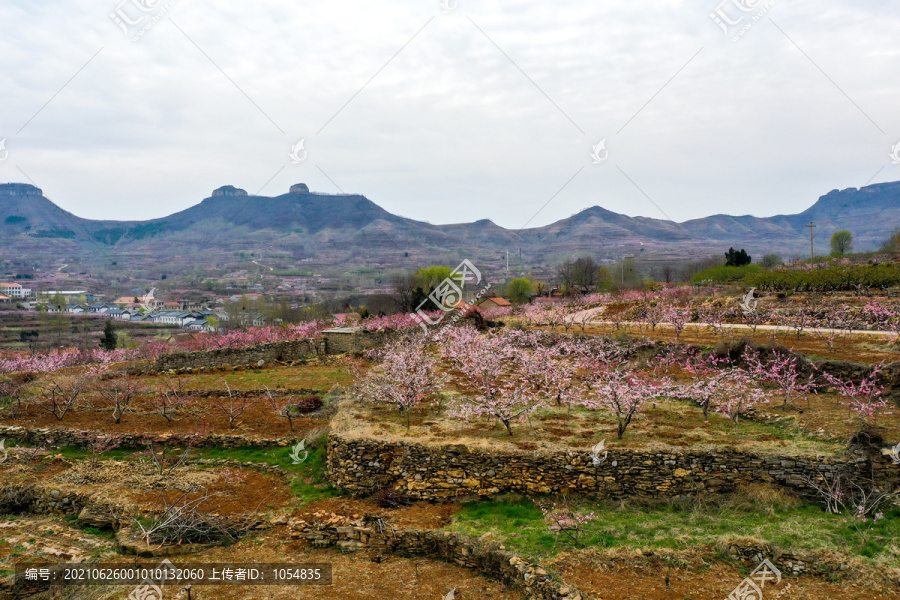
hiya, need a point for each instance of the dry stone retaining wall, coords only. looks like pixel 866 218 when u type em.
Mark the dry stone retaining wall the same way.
pixel 339 340
pixel 91 509
pixel 269 354
pixel 363 467
pixel 443 545
pixel 74 437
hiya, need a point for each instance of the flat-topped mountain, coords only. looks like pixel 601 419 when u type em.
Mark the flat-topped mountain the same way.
pixel 305 224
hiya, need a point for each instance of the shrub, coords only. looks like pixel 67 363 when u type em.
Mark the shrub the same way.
pixel 307 404
pixel 725 274
pixel 388 498
pixel 15 499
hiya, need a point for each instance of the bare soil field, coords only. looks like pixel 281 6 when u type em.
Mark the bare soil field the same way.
pixel 639 577
pixel 858 348
pixel 819 424
pixel 259 418
pixel 668 424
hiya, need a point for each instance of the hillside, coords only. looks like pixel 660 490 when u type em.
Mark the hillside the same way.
pixel 304 224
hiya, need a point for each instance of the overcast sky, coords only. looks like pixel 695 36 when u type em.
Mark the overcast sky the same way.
pixel 473 110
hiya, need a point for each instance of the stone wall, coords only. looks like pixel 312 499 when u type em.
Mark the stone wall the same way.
pixel 47 436
pixel 270 354
pixel 363 467
pixel 92 510
pixel 339 340
pixel 441 545
pixel 514 571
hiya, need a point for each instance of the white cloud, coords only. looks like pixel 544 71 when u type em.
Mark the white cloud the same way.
pixel 451 130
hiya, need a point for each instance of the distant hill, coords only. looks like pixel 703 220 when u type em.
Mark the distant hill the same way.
pixel 305 224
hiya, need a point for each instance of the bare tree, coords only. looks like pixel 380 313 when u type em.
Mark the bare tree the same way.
pixel 166 459
pixel 59 393
pixel 403 288
pixel 235 406
pixel 583 274
pixel 12 390
pixel 668 274
pixel 119 393
pixel 173 395
pixel 282 407
pixel 98 443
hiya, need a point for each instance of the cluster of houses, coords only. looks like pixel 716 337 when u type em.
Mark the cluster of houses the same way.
pixel 198 320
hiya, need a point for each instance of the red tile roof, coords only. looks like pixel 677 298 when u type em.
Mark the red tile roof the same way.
pixel 497 300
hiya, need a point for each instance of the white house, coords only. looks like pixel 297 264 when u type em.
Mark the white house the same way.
pixel 172 318
pixel 101 308
pixel 14 290
pixel 118 315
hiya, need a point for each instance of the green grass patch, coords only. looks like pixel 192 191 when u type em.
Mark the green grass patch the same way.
pixel 310 483
pixel 103 533
pixel 725 274
pixel 307 479
pixel 772 518
pixel 79 453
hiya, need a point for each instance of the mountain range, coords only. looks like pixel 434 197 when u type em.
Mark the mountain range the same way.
pixel 301 224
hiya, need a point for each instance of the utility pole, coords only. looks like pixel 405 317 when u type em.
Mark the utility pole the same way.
pixel 811 247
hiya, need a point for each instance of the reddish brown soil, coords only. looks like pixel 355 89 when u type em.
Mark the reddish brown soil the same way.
pixel 645 579
pixel 421 515
pixel 258 420
pixel 237 490
pixel 365 575
pixel 250 491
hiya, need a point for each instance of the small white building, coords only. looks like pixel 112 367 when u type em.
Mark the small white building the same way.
pixel 118 314
pixel 14 290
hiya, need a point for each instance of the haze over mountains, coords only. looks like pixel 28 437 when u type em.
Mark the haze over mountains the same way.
pixel 302 224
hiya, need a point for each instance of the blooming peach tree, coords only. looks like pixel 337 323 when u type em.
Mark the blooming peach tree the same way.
pixel 505 381
pixel 408 375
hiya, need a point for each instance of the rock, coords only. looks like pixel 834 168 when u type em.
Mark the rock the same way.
pixel 93 517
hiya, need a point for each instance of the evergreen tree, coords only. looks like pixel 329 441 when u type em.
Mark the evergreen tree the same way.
pixel 733 258
pixel 110 340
